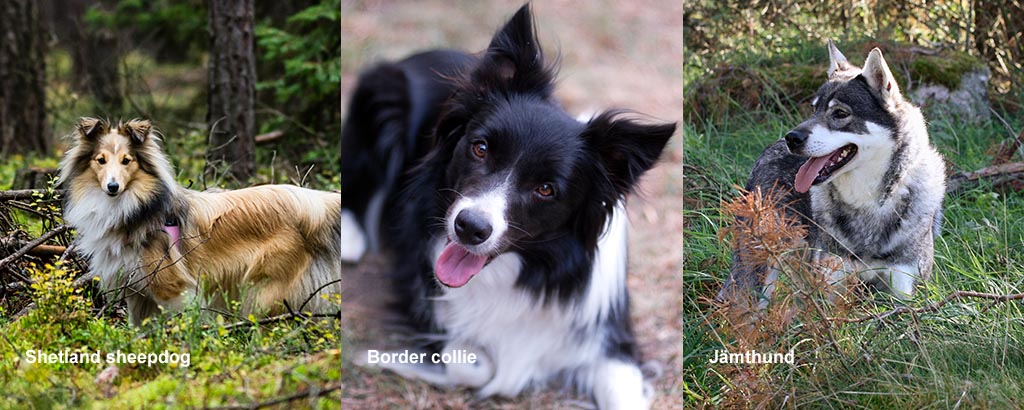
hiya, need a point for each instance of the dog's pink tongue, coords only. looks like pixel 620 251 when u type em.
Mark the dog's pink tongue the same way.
pixel 808 171
pixel 456 266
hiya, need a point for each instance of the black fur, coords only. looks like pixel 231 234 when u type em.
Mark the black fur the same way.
pixel 410 130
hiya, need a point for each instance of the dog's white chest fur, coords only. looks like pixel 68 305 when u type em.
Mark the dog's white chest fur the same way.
pixel 95 218
pixel 525 338
pixel 529 342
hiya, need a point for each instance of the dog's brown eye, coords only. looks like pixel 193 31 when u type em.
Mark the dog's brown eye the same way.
pixel 101 160
pixel 545 190
pixel 126 161
pixel 480 149
pixel 840 114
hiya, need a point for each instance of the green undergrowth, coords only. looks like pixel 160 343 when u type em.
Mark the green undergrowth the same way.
pixel 232 362
pixel 775 83
pixel 968 353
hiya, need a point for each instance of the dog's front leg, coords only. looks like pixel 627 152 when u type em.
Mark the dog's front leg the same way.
pixel 166 276
pixel 620 385
pixel 353 239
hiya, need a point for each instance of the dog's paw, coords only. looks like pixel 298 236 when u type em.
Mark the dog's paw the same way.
pixel 621 385
pixel 474 374
pixel 353 239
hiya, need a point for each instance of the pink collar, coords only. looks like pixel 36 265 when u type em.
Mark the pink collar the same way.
pixel 172 229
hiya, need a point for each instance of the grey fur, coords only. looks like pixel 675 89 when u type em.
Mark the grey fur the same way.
pixel 880 211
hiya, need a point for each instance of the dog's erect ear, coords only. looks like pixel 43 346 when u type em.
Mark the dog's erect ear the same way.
pixel 877 73
pixel 91 128
pixel 136 130
pixel 514 60
pixel 627 148
pixel 836 61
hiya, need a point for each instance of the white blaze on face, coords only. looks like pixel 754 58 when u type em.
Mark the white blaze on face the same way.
pixel 459 262
pixel 857 181
pixel 108 163
pixel 492 205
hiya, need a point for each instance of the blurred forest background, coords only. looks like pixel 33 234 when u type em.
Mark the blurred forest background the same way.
pixel 159 60
pixel 243 93
pixel 750 71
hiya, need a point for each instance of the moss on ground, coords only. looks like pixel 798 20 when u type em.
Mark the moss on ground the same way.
pixel 775 85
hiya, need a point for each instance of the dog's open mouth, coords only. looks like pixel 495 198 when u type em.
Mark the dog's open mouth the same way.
pixel 457 265
pixel 818 169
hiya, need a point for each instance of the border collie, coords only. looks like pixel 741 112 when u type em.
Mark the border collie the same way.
pixel 505 214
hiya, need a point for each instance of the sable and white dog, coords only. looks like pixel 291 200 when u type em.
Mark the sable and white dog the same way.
pixel 863 175
pixel 158 244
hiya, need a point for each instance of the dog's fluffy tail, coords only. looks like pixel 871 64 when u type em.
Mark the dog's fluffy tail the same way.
pixel 376 132
pixel 324 276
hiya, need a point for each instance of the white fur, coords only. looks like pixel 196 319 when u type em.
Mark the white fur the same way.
pixel 492 205
pixel 899 279
pixel 859 181
pixel 524 343
pixel 353 239
pixel 858 184
pixel 95 215
pixel 620 385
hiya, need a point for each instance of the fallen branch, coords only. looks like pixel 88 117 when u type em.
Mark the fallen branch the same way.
pixel 997 175
pixel 41 250
pixel 268 137
pixel 934 306
pixel 32 245
pixel 20 194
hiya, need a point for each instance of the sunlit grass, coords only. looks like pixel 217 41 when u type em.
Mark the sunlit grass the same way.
pixel 967 353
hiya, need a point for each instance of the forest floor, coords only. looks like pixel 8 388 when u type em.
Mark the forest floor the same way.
pixel 233 363
pixel 613 55
pixel 923 352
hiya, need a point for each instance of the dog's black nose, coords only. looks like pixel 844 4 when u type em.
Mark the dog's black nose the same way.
pixel 795 139
pixel 472 228
pixel 112 187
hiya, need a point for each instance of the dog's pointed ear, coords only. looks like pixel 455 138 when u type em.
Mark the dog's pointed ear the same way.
pixel 879 77
pixel 627 148
pixel 136 130
pixel 91 128
pixel 514 61
pixel 836 60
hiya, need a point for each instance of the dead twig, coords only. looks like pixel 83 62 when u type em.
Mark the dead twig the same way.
pixel 997 175
pixel 21 194
pixel 32 245
pixel 268 137
pixel 1008 149
pixel 934 306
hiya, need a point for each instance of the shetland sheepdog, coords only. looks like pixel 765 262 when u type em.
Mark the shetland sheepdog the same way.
pixel 158 245
pixel 506 216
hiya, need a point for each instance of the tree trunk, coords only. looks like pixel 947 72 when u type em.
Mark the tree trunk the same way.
pixel 22 80
pixel 97 60
pixel 232 89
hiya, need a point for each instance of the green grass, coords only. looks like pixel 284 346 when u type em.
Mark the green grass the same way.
pixel 228 365
pixel 241 365
pixel 968 353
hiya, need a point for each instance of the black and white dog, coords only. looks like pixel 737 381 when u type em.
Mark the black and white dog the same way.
pixel 505 215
